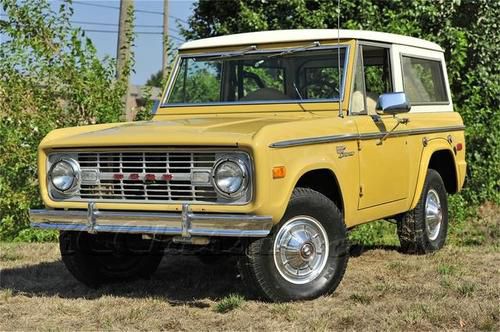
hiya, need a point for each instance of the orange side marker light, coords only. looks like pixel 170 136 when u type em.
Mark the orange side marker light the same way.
pixel 279 172
pixel 459 147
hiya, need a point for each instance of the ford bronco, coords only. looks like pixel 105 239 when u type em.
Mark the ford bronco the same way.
pixel 272 144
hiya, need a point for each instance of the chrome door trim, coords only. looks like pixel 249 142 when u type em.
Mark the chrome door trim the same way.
pixel 364 136
pixel 314 140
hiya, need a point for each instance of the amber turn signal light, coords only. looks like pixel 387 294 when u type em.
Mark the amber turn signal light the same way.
pixel 279 172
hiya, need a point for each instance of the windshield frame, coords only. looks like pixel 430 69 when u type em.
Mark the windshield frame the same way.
pixel 233 53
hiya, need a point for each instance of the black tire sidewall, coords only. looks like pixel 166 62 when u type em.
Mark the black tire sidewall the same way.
pixel 324 211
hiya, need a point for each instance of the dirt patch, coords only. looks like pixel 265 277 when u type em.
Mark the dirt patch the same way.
pixel 456 288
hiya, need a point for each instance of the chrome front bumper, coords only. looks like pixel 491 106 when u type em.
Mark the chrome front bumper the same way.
pixel 185 224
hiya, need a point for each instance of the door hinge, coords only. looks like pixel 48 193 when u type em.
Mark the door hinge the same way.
pixel 359 145
pixel 360 191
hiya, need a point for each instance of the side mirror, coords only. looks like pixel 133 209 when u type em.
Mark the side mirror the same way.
pixel 156 105
pixel 393 103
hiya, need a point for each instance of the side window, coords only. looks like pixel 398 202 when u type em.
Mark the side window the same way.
pixel 423 80
pixel 372 78
pixel 378 78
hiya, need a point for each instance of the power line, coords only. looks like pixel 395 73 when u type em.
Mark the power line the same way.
pixel 135 10
pixel 138 32
pixel 114 24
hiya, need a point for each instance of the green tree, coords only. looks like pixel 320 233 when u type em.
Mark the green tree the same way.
pixel 155 80
pixel 467 30
pixel 50 77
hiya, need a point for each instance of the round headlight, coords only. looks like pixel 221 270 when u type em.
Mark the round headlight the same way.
pixel 64 174
pixel 230 177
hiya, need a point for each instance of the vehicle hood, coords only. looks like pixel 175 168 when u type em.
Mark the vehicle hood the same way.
pixel 208 131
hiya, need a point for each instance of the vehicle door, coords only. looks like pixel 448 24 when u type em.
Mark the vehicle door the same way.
pixel 383 163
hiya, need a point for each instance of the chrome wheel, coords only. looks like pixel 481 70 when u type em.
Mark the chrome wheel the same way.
pixel 301 249
pixel 433 214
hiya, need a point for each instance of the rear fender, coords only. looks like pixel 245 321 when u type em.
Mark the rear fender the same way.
pixel 433 146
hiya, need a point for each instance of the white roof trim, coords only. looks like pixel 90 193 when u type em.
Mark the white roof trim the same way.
pixel 280 36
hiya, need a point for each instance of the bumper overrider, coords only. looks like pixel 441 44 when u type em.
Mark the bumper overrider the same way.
pixel 185 224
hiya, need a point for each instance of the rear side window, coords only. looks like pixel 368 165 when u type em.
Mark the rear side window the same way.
pixel 423 80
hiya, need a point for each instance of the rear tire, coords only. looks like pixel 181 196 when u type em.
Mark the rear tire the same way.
pixel 97 259
pixel 305 257
pixel 424 229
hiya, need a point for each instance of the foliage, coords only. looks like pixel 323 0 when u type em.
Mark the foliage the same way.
pixel 50 77
pixel 378 233
pixel 156 79
pixel 467 30
pixel 36 235
pixel 144 112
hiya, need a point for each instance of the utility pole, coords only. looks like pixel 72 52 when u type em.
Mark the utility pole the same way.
pixel 164 66
pixel 123 49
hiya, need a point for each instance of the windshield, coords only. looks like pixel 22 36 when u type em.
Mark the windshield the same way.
pixel 257 77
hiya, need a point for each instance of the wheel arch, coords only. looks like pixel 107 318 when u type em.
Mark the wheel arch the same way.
pixel 440 158
pixel 324 181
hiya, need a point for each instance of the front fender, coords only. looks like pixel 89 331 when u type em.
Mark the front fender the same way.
pixel 301 160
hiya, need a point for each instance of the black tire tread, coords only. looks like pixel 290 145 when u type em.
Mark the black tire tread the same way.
pixel 411 226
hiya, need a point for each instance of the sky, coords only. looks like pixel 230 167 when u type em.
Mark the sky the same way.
pixel 148 47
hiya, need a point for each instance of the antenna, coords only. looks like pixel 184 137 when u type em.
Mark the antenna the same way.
pixel 341 113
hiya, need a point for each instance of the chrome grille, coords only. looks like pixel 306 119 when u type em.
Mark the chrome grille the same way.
pixel 147 176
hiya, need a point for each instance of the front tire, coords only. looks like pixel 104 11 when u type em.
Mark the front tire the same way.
pixel 424 229
pixel 101 258
pixel 305 257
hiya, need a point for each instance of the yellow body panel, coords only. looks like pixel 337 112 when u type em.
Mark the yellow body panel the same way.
pixel 384 166
pixel 376 180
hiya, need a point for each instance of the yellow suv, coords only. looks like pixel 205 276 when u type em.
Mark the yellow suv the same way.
pixel 269 144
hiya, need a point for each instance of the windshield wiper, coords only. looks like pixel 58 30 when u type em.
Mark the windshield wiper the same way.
pixel 233 54
pixel 295 50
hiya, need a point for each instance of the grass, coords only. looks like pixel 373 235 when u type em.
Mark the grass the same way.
pixel 284 311
pixel 9 256
pixel 361 298
pixel 229 303
pixel 466 288
pixel 456 288
pixel 447 269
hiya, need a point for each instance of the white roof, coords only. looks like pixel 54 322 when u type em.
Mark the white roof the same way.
pixel 276 36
